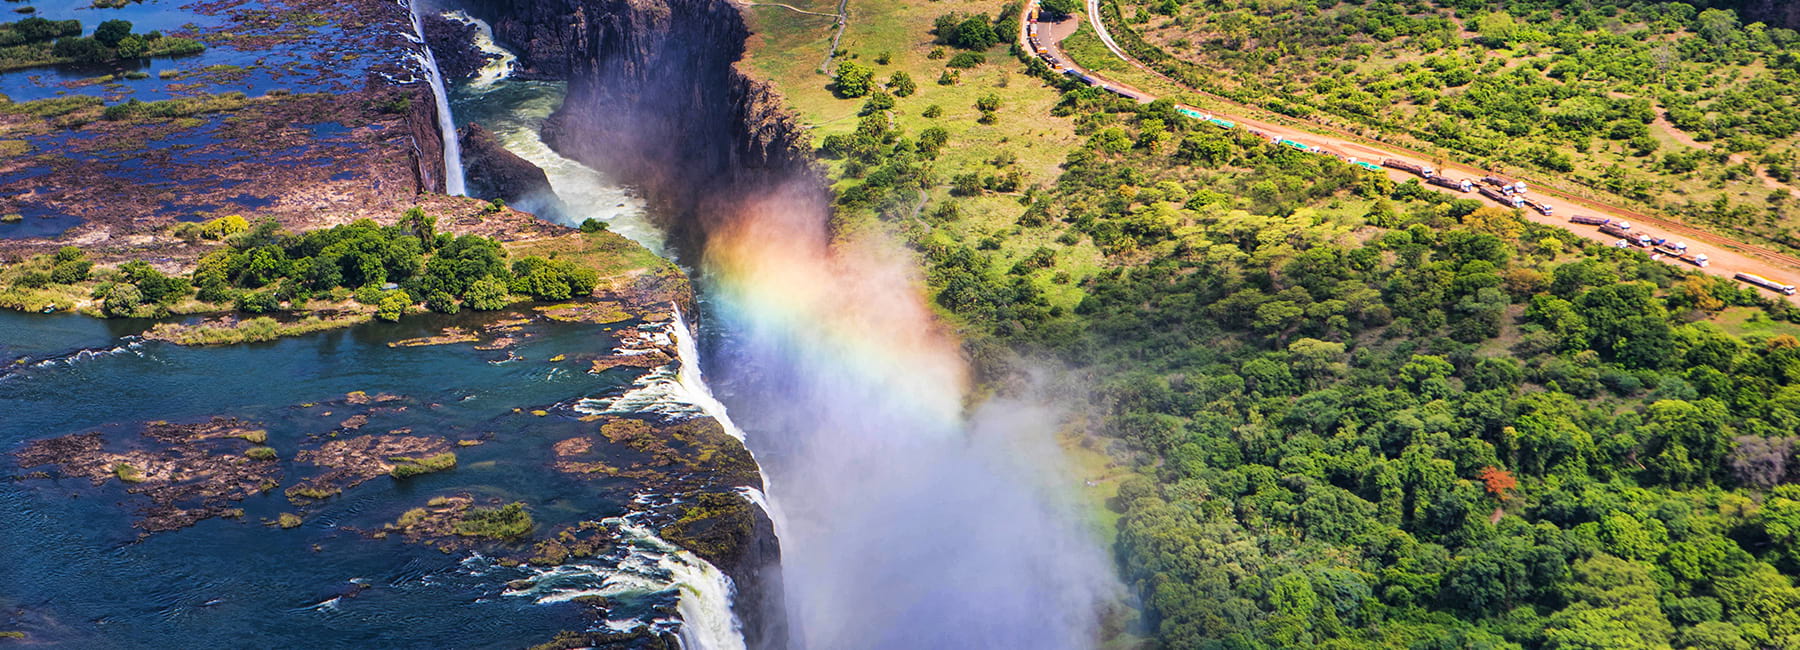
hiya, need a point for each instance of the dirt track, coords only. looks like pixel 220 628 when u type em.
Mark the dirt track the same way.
pixel 1727 256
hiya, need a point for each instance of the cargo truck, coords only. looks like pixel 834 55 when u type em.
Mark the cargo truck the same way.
pixel 1422 170
pixel 1784 289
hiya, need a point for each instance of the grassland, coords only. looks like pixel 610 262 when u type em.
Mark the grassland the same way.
pixel 788 47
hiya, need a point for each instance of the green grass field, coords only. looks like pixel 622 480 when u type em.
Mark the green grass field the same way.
pixel 788 47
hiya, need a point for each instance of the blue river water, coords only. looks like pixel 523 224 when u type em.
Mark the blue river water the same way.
pixel 74 572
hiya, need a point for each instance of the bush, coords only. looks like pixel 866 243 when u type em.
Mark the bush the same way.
pixel 260 453
pixel 932 111
pixel 257 302
pixel 592 225
pixel 487 294
pixel 509 522
pixel 393 305
pixel 852 80
pixel 901 84
pixel 967 60
pixel 442 303
pixel 408 467
pixel 112 32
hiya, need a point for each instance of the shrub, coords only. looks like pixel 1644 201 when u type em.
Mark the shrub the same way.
pixel 393 305
pixel 593 225
pixel 967 60
pixel 509 522
pixel 257 302
pixel 288 520
pixel 442 303
pixel 260 453
pixel 852 80
pixel 127 473
pixel 486 294
pixel 408 467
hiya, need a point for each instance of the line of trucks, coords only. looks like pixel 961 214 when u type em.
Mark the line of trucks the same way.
pixel 1043 53
pixel 1512 193
pixel 1505 191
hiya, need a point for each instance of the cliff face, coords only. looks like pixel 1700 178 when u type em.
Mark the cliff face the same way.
pixel 655 99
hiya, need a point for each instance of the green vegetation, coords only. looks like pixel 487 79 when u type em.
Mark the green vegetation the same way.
pixel 288 520
pixel 1675 106
pixel 1363 413
pixel 510 522
pixel 405 467
pixel 36 41
pixel 299 492
pixel 125 472
pixel 134 109
pixel 250 330
pixel 263 270
pixel 260 453
pixel 1348 413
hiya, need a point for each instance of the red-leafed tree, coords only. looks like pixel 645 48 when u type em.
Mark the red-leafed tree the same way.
pixel 1499 482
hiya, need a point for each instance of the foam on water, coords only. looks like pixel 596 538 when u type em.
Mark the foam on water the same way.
pixel 642 566
pixel 501 61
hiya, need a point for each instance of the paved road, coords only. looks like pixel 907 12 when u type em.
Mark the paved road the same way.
pixel 1727 257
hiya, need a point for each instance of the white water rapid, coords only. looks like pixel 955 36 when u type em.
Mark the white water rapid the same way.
pixel 645 564
pixel 501 61
pixel 515 111
pixel 453 171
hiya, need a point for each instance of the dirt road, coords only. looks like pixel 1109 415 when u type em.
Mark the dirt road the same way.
pixel 1726 256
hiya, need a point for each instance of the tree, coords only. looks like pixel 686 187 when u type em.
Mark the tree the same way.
pixel 109 33
pixel 1498 481
pixel 901 84
pixel 853 80
pixel 1613 607
pixel 1060 8
pixel 975 33
pixel 393 305
pixel 486 294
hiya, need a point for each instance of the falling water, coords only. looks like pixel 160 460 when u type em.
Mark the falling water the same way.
pixel 646 564
pixel 453 171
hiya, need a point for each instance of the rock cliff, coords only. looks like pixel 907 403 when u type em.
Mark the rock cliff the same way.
pixel 655 98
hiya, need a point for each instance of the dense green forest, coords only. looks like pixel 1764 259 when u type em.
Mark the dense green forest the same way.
pixel 1677 106
pixel 1361 413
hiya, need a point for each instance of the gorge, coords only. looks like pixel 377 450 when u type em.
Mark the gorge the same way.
pixel 900 504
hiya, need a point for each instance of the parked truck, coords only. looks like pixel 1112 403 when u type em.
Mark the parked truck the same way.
pixel 1539 205
pixel 1589 220
pixel 1504 184
pixel 1697 260
pixel 1503 198
pixel 1785 289
pixel 1615 230
pixel 1422 170
pixel 1460 185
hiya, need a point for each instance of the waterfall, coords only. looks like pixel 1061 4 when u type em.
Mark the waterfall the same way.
pixel 644 564
pixel 501 61
pixel 453 171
